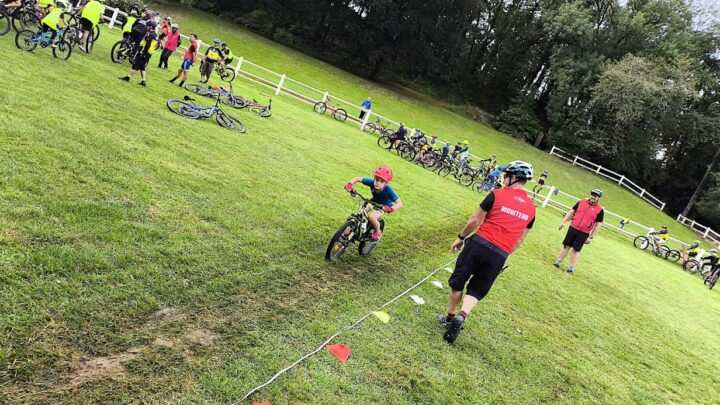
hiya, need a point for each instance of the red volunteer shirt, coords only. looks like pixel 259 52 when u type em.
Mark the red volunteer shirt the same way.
pixel 509 212
pixel 586 215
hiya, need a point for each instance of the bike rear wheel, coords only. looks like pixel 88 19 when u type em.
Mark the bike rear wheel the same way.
pixel 367 245
pixel 641 242
pixel 340 114
pixel 196 88
pixel 672 255
pixel 320 107
pixel 691 266
pixel 234 101
pixel 62 50
pixel 25 20
pixel 227 75
pixel 118 53
pixel 25 40
pixel 181 107
pixel 369 128
pixel 229 122
pixel 340 241
pixel 466 177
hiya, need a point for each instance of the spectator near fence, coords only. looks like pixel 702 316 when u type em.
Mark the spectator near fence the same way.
pixel 366 106
pixel 172 41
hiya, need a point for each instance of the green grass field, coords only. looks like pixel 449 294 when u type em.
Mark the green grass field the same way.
pixel 148 258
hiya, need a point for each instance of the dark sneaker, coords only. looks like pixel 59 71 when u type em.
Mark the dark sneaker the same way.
pixel 453 330
pixel 570 271
pixel 444 320
pixel 125 78
pixel 557 265
pixel 142 83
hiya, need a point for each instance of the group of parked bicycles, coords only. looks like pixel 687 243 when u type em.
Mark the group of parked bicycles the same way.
pixel 25 19
pixel 188 108
pixel 693 265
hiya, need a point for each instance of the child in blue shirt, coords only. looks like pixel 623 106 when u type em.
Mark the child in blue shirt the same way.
pixel 382 193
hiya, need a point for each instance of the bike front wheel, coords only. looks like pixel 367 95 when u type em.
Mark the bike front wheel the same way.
pixel 5 23
pixel 641 242
pixel 227 75
pixel 340 241
pixel 118 53
pixel 234 101
pixel 229 122
pixel 25 40
pixel 183 108
pixel 340 114
pixel 369 128
pixel 691 266
pixel 62 50
pixel 672 255
pixel 384 142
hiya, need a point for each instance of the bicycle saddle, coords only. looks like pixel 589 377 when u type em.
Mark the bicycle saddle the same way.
pixel 188 98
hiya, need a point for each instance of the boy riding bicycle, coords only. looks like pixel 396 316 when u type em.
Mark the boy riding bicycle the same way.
pixel 382 194
pixel 659 238
pixel 690 251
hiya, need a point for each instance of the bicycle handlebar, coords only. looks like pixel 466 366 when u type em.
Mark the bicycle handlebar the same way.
pixel 365 200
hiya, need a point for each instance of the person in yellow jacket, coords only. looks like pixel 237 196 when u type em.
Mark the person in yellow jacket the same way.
pixel 147 48
pixel 90 17
pixel 129 22
pixel 50 22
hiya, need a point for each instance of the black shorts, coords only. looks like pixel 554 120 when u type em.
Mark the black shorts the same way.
pixel 86 24
pixel 692 254
pixel 141 61
pixel 478 265
pixel 575 238
pixel 541 181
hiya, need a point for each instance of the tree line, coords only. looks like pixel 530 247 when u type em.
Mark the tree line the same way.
pixel 634 86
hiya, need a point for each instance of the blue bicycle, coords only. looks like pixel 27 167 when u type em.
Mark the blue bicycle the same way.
pixel 29 40
pixel 188 109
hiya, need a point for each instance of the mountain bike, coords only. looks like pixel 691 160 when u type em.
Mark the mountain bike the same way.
pixel 188 109
pixel 73 18
pixel 642 242
pixel 378 125
pixel 357 228
pixel 712 278
pixel 226 74
pixel 122 50
pixel 29 40
pixel 338 113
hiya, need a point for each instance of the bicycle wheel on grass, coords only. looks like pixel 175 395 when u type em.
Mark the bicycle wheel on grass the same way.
pixel 25 40
pixel 366 245
pixel 181 107
pixel 263 112
pixel 96 32
pixel 62 50
pixel 691 266
pixel 320 107
pixel 25 20
pixel 466 177
pixel 5 23
pixel 641 242
pixel 672 255
pixel 340 114
pixel 227 75
pixel 118 53
pixel 369 128
pixel 233 101
pixel 340 241
pixel 229 122
pixel 384 142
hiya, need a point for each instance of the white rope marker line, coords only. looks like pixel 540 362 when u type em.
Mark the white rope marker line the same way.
pixel 325 343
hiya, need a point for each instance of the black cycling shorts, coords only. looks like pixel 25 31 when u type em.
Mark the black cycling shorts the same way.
pixel 86 24
pixel 478 265
pixel 541 181
pixel 692 254
pixel 141 62
pixel 575 238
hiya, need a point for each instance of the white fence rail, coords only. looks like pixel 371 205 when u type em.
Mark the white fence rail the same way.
pixel 705 231
pixel 620 179
pixel 282 84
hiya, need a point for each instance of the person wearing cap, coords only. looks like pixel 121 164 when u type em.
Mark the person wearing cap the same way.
pixel 382 194
pixel 189 59
pixel 90 17
pixel 146 49
pixel 493 232
pixel 211 57
pixel 587 218
pixel 172 41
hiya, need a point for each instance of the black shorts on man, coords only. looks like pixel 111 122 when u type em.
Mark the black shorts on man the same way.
pixel 480 262
pixel 575 238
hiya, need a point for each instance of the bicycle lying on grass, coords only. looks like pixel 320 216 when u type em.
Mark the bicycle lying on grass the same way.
pixel 188 109
pixel 337 113
pixel 28 41
pixel 357 228
pixel 228 98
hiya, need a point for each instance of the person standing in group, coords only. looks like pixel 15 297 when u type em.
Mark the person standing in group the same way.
pixel 189 59
pixel 172 41
pixel 90 17
pixel 227 54
pixel 366 106
pixel 129 22
pixel 587 217
pixel 212 56
pixel 503 221
pixel 147 48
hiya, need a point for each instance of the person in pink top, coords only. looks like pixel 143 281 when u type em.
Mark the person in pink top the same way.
pixel 172 41
pixel 586 220
pixel 189 59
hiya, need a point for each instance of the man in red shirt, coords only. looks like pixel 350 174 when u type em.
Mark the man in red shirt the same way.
pixel 503 220
pixel 189 59
pixel 587 216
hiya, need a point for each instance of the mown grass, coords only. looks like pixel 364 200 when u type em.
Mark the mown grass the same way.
pixel 113 208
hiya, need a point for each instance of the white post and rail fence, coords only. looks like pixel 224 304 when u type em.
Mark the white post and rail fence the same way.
pixel 282 84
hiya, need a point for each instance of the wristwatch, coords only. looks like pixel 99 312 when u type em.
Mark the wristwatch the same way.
pixel 461 238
